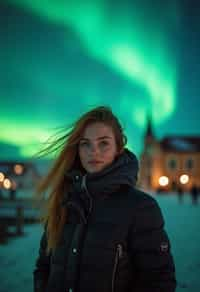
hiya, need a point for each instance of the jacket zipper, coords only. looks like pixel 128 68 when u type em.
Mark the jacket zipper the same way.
pixel 118 255
pixel 84 186
pixel 77 209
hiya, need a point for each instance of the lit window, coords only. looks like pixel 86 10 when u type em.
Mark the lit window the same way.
pixel 18 169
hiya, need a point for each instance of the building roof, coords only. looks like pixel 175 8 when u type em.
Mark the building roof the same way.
pixel 183 144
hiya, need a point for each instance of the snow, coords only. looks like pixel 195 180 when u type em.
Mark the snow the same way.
pixel 17 258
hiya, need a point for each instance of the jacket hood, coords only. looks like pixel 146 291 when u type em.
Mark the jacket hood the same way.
pixel 123 171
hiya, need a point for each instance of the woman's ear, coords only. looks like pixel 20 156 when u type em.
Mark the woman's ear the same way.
pixel 120 151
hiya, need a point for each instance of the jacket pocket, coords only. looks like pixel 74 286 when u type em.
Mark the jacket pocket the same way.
pixel 118 256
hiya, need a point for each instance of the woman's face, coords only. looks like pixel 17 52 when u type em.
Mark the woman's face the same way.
pixel 97 147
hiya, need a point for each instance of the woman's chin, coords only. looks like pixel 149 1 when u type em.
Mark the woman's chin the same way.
pixel 94 169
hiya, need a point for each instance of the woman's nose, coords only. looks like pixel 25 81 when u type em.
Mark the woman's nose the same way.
pixel 94 148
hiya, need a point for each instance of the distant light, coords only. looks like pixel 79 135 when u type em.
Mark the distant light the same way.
pixel 2 176
pixel 18 169
pixel 7 183
pixel 184 179
pixel 163 181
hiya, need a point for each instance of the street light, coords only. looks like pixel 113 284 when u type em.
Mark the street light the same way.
pixel 2 176
pixel 184 179
pixel 7 183
pixel 163 181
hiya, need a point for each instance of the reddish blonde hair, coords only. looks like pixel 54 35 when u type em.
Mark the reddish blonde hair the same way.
pixel 55 183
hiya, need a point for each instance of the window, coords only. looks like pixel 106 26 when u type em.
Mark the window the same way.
pixel 149 162
pixel 172 164
pixel 189 163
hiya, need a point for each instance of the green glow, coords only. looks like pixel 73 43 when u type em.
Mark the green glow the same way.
pixel 30 139
pixel 136 49
pixel 130 40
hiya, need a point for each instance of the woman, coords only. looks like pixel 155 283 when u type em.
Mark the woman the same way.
pixel 101 233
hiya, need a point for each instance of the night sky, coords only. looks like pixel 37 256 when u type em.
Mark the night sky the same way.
pixel 58 59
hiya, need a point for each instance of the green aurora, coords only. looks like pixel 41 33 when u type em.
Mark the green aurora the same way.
pixel 132 40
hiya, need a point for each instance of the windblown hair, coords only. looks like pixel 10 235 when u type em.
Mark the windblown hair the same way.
pixel 55 183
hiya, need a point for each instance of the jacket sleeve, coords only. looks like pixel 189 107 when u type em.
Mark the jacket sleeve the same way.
pixel 149 245
pixel 42 267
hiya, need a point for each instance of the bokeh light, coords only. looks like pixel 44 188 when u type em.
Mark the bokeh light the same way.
pixel 7 183
pixel 163 181
pixel 184 179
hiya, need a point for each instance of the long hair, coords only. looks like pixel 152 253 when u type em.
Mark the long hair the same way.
pixel 55 183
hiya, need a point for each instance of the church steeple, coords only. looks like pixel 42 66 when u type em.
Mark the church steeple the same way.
pixel 149 129
pixel 149 137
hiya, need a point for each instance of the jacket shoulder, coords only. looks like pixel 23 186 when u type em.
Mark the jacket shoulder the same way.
pixel 141 198
pixel 147 211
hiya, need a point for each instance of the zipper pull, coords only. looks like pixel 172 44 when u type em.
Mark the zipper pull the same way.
pixel 84 187
pixel 120 250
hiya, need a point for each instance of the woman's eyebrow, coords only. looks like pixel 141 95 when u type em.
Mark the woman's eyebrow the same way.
pixel 104 137
pixel 99 138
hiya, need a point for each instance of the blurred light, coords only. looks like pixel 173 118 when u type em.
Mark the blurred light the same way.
pixel 18 169
pixel 2 176
pixel 184 179
pixel 163 181
pixel 7 183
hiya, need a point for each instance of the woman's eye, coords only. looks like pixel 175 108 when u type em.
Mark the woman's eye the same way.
pixel 104 143
pixel 84 144
pixel 88 145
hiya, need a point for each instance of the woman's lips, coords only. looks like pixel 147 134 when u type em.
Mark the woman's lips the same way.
pixel 93 162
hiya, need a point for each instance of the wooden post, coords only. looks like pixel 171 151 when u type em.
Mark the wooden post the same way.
pixel 19 220
pixel 3 232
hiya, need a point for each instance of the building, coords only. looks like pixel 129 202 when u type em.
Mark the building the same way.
pixel 169 164
pixel 15 176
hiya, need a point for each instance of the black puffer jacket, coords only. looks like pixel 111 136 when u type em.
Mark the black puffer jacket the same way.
pixel 113 241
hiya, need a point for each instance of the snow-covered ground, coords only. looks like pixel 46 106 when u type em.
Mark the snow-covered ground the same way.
pixel 182 224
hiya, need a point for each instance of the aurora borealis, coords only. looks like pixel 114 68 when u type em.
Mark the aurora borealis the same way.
pixel 60 58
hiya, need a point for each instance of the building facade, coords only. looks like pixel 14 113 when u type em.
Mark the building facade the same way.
pixel 169 164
